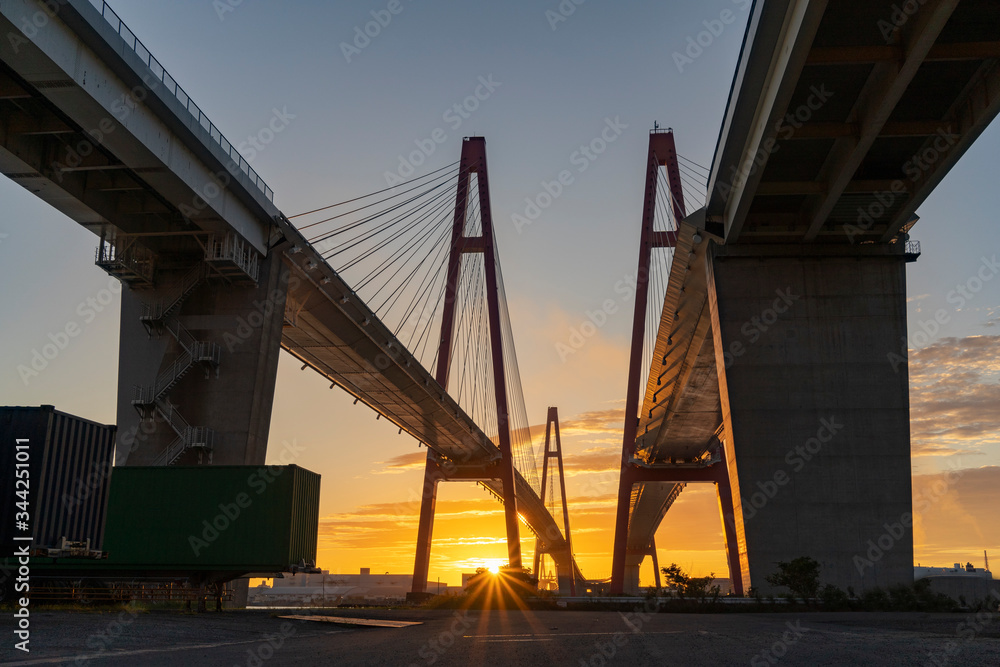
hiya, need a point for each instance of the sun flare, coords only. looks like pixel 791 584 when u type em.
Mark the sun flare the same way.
pixel 493 565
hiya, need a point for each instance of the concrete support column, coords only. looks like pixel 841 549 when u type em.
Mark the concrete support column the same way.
pixel 727 510
pixel 565 576
pixel 816 408
pixel 633 561
pixel 234 399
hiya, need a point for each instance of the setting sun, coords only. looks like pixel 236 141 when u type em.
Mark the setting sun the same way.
pixel 493 565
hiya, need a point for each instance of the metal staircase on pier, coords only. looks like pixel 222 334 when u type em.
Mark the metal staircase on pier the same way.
pixel 192 352
pixel 189 437
pixel 152 400
pixel 227 256
pixel 154 315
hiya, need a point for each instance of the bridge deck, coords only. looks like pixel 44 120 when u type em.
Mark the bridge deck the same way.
pixel 334 333
pixel 152 171
pixel 842 119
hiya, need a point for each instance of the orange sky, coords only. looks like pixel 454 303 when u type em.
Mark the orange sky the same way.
pixel 369 519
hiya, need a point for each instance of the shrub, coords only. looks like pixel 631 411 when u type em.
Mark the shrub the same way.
pixel 834 599
pixel 800 576
pixel 687 586
pixel 875 599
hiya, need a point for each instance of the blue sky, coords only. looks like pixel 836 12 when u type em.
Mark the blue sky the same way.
pixel 555 86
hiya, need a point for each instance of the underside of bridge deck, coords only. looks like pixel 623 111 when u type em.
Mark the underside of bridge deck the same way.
pixel 783 328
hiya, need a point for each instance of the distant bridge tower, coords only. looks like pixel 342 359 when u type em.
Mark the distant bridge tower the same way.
pixel 553 450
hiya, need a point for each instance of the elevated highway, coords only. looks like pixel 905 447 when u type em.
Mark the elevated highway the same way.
pixel 785 305
pixel 219 280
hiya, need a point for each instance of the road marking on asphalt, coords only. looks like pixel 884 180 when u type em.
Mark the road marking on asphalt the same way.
pixel 344 620
pixel 570 634
pixel 507 641
pixel 143 651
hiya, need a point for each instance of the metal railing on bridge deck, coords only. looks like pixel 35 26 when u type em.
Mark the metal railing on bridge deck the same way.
pixel 132 42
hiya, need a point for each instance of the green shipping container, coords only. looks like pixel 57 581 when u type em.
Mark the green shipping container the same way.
pixel 212 518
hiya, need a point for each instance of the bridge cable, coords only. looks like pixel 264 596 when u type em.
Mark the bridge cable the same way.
pixel 370 194
pixel 694 164
pixel 374 216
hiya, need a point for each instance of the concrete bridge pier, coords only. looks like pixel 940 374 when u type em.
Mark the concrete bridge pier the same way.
pixel 810 351
pixel 198 361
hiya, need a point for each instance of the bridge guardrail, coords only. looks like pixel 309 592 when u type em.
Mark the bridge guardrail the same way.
pixel 170 84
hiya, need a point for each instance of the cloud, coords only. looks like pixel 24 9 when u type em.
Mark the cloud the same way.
pixel 603 460
pixel 595 422
pixel 931 449
pixel 954 394
pixel 402 463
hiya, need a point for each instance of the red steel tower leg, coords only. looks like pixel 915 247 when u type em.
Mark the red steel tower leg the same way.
pixel 473 160
pixel 477 148
pixel 432 469
pixel 537 561
pixel 661 152
pixel 552 419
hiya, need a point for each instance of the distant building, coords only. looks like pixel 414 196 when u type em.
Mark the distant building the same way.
pixel 327 589
pixel 967 584
pixel 958 570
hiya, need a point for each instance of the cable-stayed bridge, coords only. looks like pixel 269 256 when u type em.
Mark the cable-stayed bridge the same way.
pixel 766 355
pixel 841 120
pixel 383 289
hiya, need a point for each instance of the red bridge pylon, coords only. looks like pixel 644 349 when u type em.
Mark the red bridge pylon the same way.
pixel 662 153
pixel 552 421
pixel 473 161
